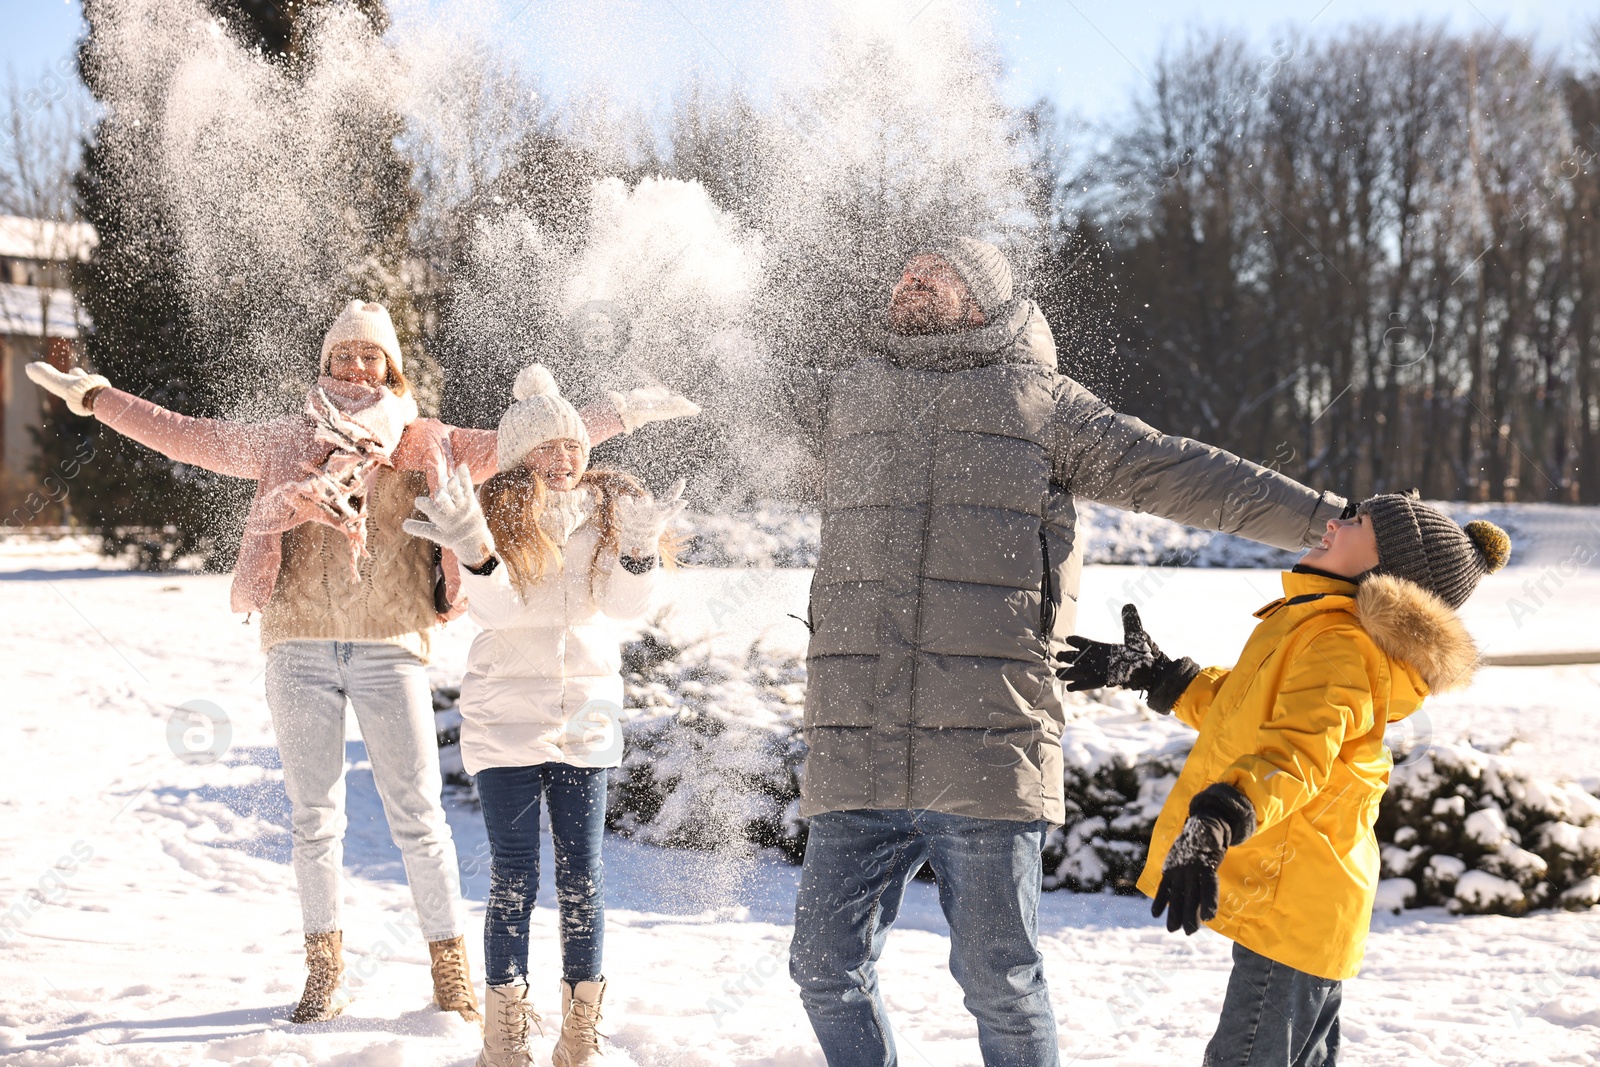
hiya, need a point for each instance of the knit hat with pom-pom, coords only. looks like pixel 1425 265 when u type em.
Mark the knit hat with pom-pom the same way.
pixel 540 414
pixel 1425 546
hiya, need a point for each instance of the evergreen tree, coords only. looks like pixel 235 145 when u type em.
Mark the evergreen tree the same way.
pixel 143 339
pixel 150 337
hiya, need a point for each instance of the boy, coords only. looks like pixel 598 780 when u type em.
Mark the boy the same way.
pixel 1267 836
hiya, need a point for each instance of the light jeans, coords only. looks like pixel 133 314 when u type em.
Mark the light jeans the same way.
pixel 308 684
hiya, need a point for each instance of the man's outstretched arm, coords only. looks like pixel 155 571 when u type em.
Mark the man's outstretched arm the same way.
pixel 1119 460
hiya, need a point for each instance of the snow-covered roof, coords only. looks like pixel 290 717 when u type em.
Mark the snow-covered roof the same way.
pixel 22 312
pixel 22 238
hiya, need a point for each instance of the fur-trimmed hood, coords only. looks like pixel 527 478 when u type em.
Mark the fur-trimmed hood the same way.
pixel 1412 625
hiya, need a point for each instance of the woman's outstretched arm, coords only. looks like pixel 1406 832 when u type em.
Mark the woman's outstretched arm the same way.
pixel 624 413
pixel 232 448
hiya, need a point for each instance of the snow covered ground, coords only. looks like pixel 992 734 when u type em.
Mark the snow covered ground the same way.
pixel 148 912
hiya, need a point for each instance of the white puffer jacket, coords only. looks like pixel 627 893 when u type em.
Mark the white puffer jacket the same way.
pixel 544 678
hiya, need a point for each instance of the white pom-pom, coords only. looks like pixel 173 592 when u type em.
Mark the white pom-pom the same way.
pixel 534 380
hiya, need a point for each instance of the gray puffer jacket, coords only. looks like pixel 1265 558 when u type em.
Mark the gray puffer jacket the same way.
pixel 949 564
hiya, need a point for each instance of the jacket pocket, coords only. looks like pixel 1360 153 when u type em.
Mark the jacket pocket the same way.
pixel 1250 874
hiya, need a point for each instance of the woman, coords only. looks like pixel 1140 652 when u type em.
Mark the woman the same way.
pixel 347 601
pixel 552 548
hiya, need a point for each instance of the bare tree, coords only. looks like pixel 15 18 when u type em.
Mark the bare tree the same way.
pixel 1369 257
pixel 44 127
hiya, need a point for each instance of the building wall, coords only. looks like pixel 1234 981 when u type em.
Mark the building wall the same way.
pixel 22 402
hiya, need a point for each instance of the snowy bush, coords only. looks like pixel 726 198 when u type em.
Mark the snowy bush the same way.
pixel 773 535
pixel 1467 829
pixel 1120 763
pixel 712 748
pixel 447 726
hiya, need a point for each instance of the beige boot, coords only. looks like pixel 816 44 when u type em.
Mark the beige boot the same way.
pixel 509 1018
pixel 452 981
pixel 579 1043
pixel 326 995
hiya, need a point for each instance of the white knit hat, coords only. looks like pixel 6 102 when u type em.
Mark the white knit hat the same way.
pixel 539 415
pixel 363 321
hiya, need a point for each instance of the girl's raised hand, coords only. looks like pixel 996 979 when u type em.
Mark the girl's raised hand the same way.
pixel 641 520
pixel 457 519
pixel 74 386
pixel 651 403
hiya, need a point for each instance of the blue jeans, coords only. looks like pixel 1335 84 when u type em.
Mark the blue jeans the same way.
pixel 1275 1016
pixel 857 866
pixel 577 797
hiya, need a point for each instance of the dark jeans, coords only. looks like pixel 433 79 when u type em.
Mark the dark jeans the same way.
pixel 577 798
pixel 1275 1016
pixel 857 866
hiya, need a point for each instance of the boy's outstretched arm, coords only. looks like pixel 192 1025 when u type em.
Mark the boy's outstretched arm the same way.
pixel 1137 663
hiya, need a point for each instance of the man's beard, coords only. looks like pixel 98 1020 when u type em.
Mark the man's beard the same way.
pixel 916 318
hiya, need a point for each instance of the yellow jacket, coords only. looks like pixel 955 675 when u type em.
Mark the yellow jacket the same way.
pixel 1297 727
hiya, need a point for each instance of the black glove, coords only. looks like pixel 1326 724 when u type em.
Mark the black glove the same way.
pixel 1219 817
pixel 1135 664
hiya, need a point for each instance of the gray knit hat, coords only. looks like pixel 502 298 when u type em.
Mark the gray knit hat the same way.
pixel 981 265
pixel 1425 546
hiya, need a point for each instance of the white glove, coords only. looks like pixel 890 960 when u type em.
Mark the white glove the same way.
pixel 72 386
pixel 641 520
pixel 652 403
pixel 458 523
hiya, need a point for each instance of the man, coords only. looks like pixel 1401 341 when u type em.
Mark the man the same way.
pixel 951 453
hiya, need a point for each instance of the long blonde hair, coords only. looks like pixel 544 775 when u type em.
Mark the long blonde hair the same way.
pixel 513 502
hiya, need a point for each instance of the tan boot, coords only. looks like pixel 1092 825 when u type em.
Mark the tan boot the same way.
pixel 507 1025
pixel 326 994
pixel 452 981
pixel 579 1043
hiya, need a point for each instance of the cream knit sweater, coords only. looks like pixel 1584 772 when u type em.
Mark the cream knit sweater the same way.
pixel 392 601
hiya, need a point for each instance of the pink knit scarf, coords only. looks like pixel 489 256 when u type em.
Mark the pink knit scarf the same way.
pixel 350 430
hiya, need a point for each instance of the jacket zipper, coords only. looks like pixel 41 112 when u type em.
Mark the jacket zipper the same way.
pixel 916 626
pixel 1047 606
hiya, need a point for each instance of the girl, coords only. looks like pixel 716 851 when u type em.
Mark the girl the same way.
pixel 551 549
pixel 347 602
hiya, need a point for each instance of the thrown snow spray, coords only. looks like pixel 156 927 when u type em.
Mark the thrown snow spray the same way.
pixel 656 291
pixel 425 169
pixel 282 197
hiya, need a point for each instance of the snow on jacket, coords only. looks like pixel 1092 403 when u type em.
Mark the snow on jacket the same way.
pixel 1297 726
pixel 949 564
pixel 544 679
pixel 274 454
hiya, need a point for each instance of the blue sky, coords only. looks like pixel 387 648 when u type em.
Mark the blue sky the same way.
pixel 1086 54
